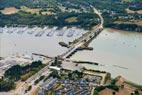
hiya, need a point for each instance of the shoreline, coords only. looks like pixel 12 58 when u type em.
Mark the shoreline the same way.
pixel 46 39
pixel 68 27
pixel 119 30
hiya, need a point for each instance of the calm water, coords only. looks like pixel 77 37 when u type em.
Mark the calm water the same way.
pixel 112 49
pixel 116 50
pixel 11 44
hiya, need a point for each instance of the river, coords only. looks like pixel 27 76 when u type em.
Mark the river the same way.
pixel 119 52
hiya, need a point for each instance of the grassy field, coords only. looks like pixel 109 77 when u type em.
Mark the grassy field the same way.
pixel 49 12
pixel 9 10
pixel 132 0
pixel 71 19
pixel 30 10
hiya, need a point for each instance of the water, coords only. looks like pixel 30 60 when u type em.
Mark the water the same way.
pixel 25 43
pixel 119 52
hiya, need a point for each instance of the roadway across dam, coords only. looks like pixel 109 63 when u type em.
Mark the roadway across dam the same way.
pixel 85 39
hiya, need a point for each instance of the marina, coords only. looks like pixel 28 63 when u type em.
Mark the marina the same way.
pixel 110 49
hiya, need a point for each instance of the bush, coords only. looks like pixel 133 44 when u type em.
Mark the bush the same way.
pixel 114 87
pixel 26 76
pixel 95 92
pixel 17 72
pixel 38 80
pixel 6 85
pixel 29 88
pixel 100 88
pixel 14 72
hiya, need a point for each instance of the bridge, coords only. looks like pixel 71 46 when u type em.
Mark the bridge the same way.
pixel 85 39
pixel 82 41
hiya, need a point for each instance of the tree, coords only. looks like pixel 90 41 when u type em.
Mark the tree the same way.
pixel 136 92
pixel 75 75
pixel 6 85
pixel 29 88
pixel 96 92
pixel 132 93
pixel 113 93
pixel 36 64
pixel 54 74
pixel 100 88
pixel 14 72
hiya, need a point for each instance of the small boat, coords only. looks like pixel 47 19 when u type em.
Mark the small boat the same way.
pixel 22 30
pixel 70 34
pixel 60 33
pixel 51 33
pixel 30 31
pixel 40 33
pixel 11 30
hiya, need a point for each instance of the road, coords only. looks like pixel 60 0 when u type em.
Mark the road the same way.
pixel 21 90
pixel 73 47
pixel 85 38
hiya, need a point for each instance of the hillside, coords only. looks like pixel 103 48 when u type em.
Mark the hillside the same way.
pixel 131 0
pixel 60 13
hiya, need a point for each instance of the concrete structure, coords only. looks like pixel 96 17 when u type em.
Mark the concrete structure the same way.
pixel 71 66
pixel 85 39
pixel 54 68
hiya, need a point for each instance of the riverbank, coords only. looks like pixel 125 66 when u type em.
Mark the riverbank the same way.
pixel 117 51
pixel 119 48
pixel 124 26
pixel 122 31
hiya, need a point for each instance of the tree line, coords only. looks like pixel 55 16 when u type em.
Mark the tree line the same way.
pixel 15 73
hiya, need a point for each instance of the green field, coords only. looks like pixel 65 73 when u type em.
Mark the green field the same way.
pixel 72 13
